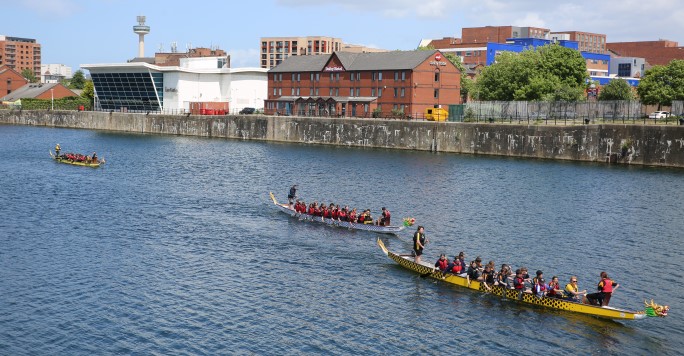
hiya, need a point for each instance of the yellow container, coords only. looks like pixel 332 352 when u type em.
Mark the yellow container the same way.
pixel 436 114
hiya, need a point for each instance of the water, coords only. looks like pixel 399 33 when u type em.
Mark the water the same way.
pixel 174 248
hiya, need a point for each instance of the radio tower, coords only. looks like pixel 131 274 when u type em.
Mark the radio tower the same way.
pixel 141 30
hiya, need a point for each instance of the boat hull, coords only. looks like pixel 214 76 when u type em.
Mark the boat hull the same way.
pixel 512 294
pixel 285 208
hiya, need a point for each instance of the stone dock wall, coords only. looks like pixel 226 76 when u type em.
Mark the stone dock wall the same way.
pixel 653 145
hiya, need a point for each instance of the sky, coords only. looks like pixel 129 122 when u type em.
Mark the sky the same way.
pixel 75 32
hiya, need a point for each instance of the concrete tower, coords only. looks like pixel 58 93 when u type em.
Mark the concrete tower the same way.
pixel 141 30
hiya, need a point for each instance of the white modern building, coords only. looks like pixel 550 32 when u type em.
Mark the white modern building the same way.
pixel 145 87
pixel 53 73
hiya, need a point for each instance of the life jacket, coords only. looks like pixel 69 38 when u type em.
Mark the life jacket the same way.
pixel 519 283
pixel 342 215
pixel 367 219
pixel 361 219
pixel 539 287
pixel 317 211
pixel 457 268
pixel 386 214
pixel 311 210
pixel 327 213
pixel 442 264
pixel 607 286
pixel 352 217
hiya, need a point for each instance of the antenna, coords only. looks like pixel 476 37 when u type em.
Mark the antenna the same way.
pixel 174 47
pixel 161 48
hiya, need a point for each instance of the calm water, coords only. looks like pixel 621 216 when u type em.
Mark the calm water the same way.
pixel 173 248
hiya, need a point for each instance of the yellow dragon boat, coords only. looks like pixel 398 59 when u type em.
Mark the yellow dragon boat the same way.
pixel 85 163
pixel 427 270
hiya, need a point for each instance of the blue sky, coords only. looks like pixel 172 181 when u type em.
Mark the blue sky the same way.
pixel 75 32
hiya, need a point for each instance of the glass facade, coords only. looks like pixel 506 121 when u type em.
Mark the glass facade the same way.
pixel 129 91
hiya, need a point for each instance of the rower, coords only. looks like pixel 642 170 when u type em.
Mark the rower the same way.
pixel 385 219
pixel 57 149
pixel 292 195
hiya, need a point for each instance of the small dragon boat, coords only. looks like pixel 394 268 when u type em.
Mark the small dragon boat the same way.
pixel 76 162
pixel 427 270
pixel 287 209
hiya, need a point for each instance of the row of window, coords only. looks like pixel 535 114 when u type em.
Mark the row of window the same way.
pixel 398 92
pixel 353 76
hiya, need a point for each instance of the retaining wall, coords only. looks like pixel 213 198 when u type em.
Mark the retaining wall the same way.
pixel 628 144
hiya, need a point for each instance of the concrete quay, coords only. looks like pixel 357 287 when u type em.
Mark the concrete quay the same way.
pixel 647 145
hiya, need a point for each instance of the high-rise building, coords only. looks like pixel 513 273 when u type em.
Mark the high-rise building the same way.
pixel 20 53
pixel 54 73
pixel 274 50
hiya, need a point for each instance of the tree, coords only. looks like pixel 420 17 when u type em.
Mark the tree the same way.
pixel 662 84
pixel 88 91
pixel 78 80
pixel 549 72
pixel 29 75
pixel 616 89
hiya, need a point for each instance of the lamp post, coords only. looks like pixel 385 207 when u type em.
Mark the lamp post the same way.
pixel 52 101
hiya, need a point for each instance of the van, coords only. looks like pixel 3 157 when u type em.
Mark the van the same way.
pixel 436 114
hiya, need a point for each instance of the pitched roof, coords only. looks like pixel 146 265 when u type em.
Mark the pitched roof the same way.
pixel 29 91
pixel 395 60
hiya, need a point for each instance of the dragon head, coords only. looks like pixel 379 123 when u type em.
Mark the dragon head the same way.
pixel 653 309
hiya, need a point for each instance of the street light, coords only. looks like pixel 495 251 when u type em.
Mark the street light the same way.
pixel 52 95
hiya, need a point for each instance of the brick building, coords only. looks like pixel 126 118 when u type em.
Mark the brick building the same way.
pixel 472 46
pixel 586 41
pixel 356 84
pixel 20 53
pixel 659 52
pixel 10 80
pixel 173 58
pixel 40 91
pixel 274 50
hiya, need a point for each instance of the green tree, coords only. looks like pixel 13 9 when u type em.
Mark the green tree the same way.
pixel 78 80
pixel 29 75
pixel 549 72
pixel 662 84
pixel 616 89
pixel 88 91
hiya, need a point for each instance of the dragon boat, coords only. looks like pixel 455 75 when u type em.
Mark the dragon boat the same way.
pixel 287 209
pixel 85 163
pixel 427 270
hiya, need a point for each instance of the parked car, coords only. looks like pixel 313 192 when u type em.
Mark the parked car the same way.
pixel 247 111
pixel 659 115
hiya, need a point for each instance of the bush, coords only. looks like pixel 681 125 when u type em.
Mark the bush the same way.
pixel 376 113
pixel 68 103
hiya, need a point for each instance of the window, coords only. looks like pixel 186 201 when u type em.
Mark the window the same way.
pixel 299 77
pixel 372 91
pixel 280 77
pixel 280 91
pixel 403 76
pixel 337 77
pixel 358 91
pixel 351 77
pixel 373 76
pixel 311 91
pixel 297 91
pixel 351 91
pixel 380 76
pixel 436 93
pixel 437 76
pixel 311 76
pixel 331 92
pixel 275 91
pixel 624 69
pixel 337 91
pixel 316 91
pixel 396 92
pixel 332 76
pixel 293 92
pixel 379 92
pixel 402 92
pixel 396 76
pixel 318 76
pixel 275 77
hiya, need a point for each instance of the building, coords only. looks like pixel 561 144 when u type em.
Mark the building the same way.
pixel 627 67
pixel 586 41
pixel 659 52
pixel 39 91
pixel 197 82
pixel 54 73
pixel 274 50
pixel 357 84
pixel 10 80
pixel 173 58
pixel 20 53
pixel 472 46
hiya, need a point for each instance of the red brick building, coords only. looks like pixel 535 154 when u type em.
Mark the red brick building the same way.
pixel 10 80
pixel 20 53
pixel 659 52
pixel 586 41
pixel 472 46
pixel 355 84
pixel 173 58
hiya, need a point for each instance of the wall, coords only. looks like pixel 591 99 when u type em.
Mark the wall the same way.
pixel 644 144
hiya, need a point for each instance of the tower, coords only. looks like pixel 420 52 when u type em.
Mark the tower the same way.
pixel 141 29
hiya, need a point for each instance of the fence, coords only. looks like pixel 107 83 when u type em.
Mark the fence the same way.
pixel 564 111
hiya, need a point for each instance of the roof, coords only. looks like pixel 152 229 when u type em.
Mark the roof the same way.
pixel 395 60
pixel 29 91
